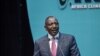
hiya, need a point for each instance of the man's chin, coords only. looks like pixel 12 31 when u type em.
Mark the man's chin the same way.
pixel 54 34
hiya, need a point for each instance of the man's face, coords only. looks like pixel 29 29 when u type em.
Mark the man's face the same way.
pixel 52 26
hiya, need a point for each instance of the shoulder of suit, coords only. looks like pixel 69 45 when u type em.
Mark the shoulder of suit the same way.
pixel 66 36
pixel 41 39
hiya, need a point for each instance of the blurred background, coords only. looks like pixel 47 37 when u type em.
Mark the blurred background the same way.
pixel 22 21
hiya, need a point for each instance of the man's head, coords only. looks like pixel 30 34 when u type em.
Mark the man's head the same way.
pixel 52 25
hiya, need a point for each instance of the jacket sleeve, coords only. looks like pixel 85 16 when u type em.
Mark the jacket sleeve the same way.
pixel 74 51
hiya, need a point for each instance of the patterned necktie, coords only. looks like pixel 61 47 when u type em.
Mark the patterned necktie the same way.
pixel 53 48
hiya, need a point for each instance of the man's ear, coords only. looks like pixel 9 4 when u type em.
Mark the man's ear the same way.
pixel 45 28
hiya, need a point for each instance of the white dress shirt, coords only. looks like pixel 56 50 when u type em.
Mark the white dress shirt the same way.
pixel 50 41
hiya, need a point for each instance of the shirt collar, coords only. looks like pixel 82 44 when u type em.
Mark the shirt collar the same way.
pixel 56 36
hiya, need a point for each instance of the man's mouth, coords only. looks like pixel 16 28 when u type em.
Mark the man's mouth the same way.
pixel 54 31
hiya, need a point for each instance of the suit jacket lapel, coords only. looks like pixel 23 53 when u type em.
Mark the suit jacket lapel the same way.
pixel 59 50
pixel 47 46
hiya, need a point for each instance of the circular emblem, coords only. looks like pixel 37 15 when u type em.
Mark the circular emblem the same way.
pixel 62 3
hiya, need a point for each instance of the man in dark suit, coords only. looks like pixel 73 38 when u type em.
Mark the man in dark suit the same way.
pixel 55 43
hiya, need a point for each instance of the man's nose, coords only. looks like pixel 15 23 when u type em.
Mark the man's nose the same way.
pixel 54 25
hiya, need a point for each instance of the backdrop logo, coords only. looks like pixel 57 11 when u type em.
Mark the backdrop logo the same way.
pixel 62 3
pixel 79 4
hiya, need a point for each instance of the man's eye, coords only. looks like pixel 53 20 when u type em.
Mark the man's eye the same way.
pixel 49 24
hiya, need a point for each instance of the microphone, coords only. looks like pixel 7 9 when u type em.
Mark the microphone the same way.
pixel 36 53
pixel 61 50
pixel 36 50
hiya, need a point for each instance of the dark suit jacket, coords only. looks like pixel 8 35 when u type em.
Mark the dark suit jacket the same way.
pixel 67 46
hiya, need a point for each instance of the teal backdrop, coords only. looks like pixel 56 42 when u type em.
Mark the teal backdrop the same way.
pixel 84 24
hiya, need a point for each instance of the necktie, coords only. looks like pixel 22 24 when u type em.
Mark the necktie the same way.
pixel 53 48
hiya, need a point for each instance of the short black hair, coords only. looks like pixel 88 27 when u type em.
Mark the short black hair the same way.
pixel 50 17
